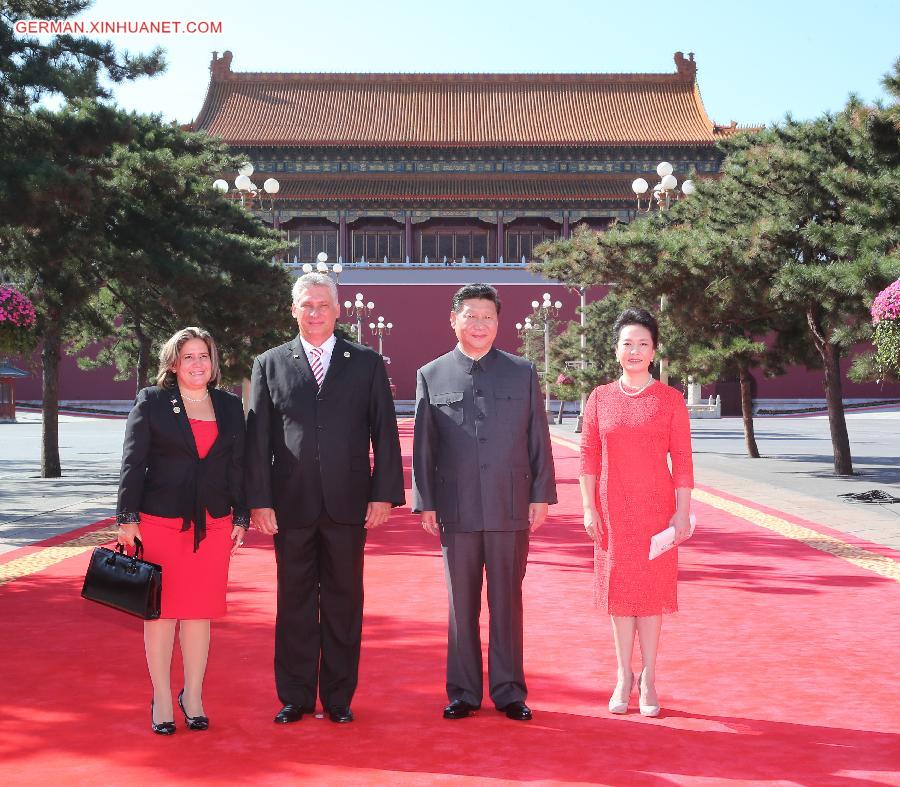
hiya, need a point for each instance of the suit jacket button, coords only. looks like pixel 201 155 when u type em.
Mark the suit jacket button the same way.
pixel 480 417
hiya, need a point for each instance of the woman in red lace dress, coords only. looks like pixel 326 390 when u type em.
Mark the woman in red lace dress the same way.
pixel 181 492
pixel 631 427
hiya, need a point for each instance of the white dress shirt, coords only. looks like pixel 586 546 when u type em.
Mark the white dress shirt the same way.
pixel 327 348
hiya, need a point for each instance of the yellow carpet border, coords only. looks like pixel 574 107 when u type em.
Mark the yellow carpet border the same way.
pixel 49 556
pixel 858 556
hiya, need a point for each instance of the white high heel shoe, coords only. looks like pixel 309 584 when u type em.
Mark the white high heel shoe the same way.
pixel 621 707
pixel 646 710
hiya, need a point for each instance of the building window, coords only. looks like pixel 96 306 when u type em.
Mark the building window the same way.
pixel 521 243
pixel 453 245
pixel 428 247
pixel 307 244
pixel 375 245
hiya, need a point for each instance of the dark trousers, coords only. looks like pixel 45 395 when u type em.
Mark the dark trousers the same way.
pixel 503 557
pixel 318 627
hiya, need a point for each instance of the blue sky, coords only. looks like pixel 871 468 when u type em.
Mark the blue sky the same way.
pixel 757 61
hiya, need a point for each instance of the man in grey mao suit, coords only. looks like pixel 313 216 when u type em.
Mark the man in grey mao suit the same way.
pixel 482 478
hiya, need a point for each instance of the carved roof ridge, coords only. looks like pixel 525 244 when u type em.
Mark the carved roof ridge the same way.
pixel 221 71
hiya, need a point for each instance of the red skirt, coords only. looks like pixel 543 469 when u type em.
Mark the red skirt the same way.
pixel 193 583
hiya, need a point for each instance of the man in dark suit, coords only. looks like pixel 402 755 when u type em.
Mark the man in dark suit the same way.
pixel 316 404
pixel 482 477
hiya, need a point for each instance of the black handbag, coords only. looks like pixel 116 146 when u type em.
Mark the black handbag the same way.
pixel 129 584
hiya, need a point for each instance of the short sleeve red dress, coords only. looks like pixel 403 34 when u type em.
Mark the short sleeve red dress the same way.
pixel 626 442
pixel 193 584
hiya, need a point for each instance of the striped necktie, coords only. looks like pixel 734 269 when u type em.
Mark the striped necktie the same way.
pixel 315 363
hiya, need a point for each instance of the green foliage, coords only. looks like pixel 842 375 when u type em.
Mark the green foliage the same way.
pixel 887 353
pixel 345 331
pixel 70 66
pixel 177 253
pixel 579 261
pixel 51 223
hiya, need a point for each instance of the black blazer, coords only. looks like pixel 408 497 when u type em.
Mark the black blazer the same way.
pixel 308 448
pixel 162 473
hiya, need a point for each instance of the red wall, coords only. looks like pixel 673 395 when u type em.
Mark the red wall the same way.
pixel 801 383
pixel 421 318
pixel 97 384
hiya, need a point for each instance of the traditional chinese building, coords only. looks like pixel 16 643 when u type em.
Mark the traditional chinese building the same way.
pixel 416 169
pixel 430 181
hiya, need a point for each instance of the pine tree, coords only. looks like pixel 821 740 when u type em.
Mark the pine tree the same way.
pixel 829 225
pixel 178 254
pixel 67 66
pixel 47 227
pixel 54 236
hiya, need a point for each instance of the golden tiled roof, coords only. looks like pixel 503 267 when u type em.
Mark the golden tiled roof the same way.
pixel 470 189
pixel 455 110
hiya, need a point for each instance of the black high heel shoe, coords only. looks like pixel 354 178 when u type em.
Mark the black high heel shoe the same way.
pixel 163 728
pixel 192 722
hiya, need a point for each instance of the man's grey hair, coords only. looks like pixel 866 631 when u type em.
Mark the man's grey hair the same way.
pixel 314 279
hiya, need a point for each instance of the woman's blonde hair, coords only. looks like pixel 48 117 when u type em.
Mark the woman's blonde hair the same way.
pixel 168 356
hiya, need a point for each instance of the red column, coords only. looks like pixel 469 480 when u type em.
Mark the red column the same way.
pixel 565 227
pixel 501 235
pixel 408 239
pixel 343 246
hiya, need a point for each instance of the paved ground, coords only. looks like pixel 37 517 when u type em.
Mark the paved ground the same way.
pixel 32 508
pixel 795 476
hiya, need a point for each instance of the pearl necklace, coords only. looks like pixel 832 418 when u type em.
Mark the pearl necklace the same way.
pixel 638 391
pixel 191 399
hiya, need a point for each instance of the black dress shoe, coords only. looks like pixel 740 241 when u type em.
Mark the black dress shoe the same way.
pixel 340 714
pixel 192 722
pixel 517 711
pixel 163 728
pixel 459 709
pixel 290 713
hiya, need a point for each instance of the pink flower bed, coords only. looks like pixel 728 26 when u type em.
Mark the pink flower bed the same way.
pixel 886 305
pixel 15 309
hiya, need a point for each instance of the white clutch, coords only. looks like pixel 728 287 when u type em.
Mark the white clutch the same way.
pixel 665 540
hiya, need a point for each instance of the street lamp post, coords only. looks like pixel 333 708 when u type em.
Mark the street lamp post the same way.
pixel 381 329
pixel 248 191
pixel 322 266
pixel 546 310
pixel 665 193
pixel 359 309
pixel 523 328
pixel 582 302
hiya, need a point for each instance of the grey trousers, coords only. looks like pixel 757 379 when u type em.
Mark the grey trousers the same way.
pixel 503 556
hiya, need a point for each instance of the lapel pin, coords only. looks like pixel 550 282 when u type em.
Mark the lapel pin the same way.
pixel 346 354
pixel 296 356
pixel 176 409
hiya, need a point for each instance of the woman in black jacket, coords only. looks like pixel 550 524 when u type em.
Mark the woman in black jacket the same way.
pixel 181 493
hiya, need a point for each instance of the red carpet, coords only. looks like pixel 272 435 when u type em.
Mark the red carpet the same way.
pixel 781 668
